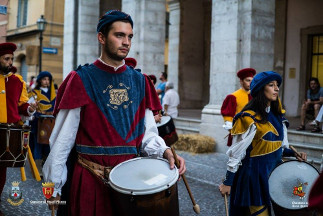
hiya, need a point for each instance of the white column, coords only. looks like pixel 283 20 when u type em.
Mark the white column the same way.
pixel 173 42
pixel 68 37
pixel 148 43
pixel 87 45
pixel 242 35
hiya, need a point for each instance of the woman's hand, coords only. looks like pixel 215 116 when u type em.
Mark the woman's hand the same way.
pixel 301 156
pixel 224 189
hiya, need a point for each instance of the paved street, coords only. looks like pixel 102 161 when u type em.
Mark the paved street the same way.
pixel 204 174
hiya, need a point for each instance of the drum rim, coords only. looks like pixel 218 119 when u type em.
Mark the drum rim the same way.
pixel 46 116
pixel 143 192
pixel 15 127
pixel 292 160
pixel 158 124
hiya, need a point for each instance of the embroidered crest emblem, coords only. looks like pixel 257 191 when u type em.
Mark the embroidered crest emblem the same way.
pixel 15 195
pixel 118 96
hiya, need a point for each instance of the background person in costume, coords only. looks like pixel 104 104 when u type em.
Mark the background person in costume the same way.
pixel 259 141
pixel 157 115
pixel 233 103
pixel 13 97
pixel 104 109
pixel 44 93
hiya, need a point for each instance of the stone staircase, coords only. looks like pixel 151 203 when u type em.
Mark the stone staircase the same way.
pixel 311 143
pixel 187 125
pixel 303 141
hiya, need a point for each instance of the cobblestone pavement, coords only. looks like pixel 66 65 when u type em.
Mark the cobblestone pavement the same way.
pixel 204 173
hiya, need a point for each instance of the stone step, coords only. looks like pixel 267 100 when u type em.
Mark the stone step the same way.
pixel 315 162
pixel 186 130
pixel 312 151
pixel 187 125
pixel 305 137
pixel 187 122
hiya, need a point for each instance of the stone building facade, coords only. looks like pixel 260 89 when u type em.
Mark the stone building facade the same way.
pixel 208 42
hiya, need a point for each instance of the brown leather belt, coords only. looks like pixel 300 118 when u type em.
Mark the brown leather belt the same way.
pixel 98 170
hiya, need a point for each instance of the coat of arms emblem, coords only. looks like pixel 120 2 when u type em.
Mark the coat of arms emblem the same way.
pixel 48 189
pixel 15 195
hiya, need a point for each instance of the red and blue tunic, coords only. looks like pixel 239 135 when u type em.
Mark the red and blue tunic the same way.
pixel 111 128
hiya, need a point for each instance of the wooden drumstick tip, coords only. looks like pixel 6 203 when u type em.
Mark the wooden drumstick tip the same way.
pixel 196 208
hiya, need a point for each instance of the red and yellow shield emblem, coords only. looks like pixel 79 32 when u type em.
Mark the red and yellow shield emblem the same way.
pixel 48 189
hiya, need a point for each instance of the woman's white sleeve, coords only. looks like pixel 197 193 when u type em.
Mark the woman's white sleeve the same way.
pixel 237 150
pixel 152 144
pixel 285 143
pixel 61 142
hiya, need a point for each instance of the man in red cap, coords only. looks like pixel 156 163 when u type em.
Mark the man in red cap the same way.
pixel 234 102
pixel 13 97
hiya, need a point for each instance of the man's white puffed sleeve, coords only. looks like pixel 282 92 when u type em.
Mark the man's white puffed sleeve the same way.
pixel 61 142
pixel 152 144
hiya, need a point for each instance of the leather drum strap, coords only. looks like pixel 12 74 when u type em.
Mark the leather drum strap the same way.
pixel 98 170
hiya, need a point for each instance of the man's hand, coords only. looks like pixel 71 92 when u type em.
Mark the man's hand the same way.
pixel 53 202
pixel 224 189
pixel 33 106
pixel 170 157
pixel 157 118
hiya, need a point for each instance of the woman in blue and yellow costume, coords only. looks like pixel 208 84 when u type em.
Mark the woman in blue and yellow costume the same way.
pixel 259 143
pixel 44 93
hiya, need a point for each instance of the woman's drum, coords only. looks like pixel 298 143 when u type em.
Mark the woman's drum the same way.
pixel 166 130
pixel 45 126
pixel 14 141
pixel 145 187
pixel 289 187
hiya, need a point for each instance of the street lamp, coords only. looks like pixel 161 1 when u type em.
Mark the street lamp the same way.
pixel 41 25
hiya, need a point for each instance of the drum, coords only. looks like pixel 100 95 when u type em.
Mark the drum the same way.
pixel 45 126
pixel 289 187
pixel 145 187
pixel 167 130
pixel 13 145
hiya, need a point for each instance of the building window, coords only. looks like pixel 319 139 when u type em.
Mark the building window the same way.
pixel 22 13
pixel 317 58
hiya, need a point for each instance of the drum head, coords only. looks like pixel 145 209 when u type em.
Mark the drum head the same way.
pixel 163 121
pixel 142 176
pixel 290 184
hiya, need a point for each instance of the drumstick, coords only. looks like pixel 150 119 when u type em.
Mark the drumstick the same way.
pixel 33 166
pixel 23 174
pixel 196 207
pixel 53 211
pixel 226 203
